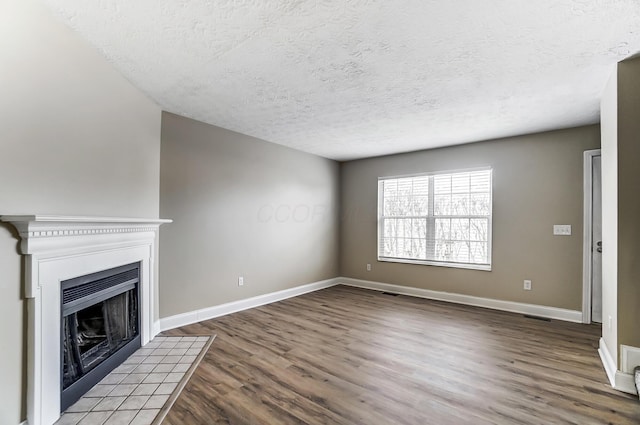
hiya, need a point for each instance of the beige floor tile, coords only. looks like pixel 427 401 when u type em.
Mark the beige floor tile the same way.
pixel 123 417
pixel 124 368
pixel 164 367
pixel 174 377
pixel 171 359
pixel 188 359
pixel 144 368
pixel 182 367
pixel 95 418
pixel 134 378
pixel 100 390
pixel 70 418
pixel 85 404
pixel 123 390
pixel 145 417
pixel 166 388
pixel 152 360
pixel 134 402
pixel 155 378
pixel 145 389
pixel 156 401
pixel 108 404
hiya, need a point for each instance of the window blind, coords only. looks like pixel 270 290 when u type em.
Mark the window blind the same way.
pixel 442 219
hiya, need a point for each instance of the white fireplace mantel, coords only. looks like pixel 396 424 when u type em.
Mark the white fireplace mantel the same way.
pixel 57 248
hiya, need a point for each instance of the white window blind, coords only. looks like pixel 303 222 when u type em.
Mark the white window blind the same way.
pixel 440 219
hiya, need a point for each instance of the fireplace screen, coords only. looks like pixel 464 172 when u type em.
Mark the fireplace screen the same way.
pixel 100 327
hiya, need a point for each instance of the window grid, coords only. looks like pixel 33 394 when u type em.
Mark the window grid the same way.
pixel 442 219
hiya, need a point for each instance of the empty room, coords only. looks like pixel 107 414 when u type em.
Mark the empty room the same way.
pixel 319 212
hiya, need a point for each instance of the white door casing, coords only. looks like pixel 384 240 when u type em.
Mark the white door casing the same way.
pixel 596 242
pixel 592 235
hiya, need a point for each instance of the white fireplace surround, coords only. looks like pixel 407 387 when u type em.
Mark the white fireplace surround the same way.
pixel 57 248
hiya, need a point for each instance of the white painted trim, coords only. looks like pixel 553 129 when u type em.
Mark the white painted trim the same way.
pixel 195 316
pixel 156 327
pixel 587 242
pixel 625 382
pixel 607 362
pixel 619 380
pixel 629 358
pixel 514 307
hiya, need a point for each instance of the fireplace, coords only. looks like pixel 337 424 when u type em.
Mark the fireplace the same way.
pixel 100 327
pixel 57 250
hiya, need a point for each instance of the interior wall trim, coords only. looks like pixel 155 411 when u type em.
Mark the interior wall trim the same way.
pixel 195 316
pixel 619 380
pixel 607 362
pixel 510 306
pixel 629 358
pixel 587 242
pixel 207 313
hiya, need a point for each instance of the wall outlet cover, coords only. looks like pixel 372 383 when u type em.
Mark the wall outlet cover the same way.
pixel 562 229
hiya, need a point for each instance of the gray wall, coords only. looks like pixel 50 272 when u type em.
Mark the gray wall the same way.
pixel 537 182
pixel 241 207
pixel 629 202
pixel 621 208
pixel 75 138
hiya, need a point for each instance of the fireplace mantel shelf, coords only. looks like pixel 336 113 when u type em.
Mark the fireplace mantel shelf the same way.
pixel 79 219
pixel 34 225
pixel 39 232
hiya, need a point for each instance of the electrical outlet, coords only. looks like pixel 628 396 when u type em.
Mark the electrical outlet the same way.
pixel 527 285
pixel 240 281
pixel 368 267
pixel 562 229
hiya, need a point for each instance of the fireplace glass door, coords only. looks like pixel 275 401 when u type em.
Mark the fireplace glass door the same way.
pixel 100 327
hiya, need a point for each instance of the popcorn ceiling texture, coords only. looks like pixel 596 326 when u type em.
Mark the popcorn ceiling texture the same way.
pixel 351 79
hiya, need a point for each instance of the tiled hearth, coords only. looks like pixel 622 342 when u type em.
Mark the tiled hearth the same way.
pixel 143 388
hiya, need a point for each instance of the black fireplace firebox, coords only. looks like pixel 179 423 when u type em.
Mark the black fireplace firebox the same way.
pixel 100 327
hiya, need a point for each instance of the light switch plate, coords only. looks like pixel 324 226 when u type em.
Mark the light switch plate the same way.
pixel 562 229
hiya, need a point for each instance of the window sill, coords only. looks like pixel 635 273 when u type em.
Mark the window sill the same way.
pixel 480 267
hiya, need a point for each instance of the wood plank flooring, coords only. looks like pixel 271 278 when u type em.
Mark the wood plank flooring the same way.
pixel 352 356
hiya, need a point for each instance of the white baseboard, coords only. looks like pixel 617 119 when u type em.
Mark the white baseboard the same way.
pixel 629 358
pixel 195 316
pixel 188 318
pixel 625 382
pixel 607 361
pixel 514 307
pixel 619 380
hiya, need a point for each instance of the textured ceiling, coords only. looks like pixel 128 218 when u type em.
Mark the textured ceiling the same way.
pixel 352 79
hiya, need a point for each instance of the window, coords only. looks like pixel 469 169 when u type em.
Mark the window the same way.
pixel 437 219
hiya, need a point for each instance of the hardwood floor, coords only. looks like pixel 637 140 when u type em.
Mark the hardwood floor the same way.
pixel 352 356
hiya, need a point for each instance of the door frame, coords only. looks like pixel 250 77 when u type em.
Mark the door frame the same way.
pixel 587 234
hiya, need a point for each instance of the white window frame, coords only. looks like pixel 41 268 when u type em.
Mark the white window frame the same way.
pixel 431 218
